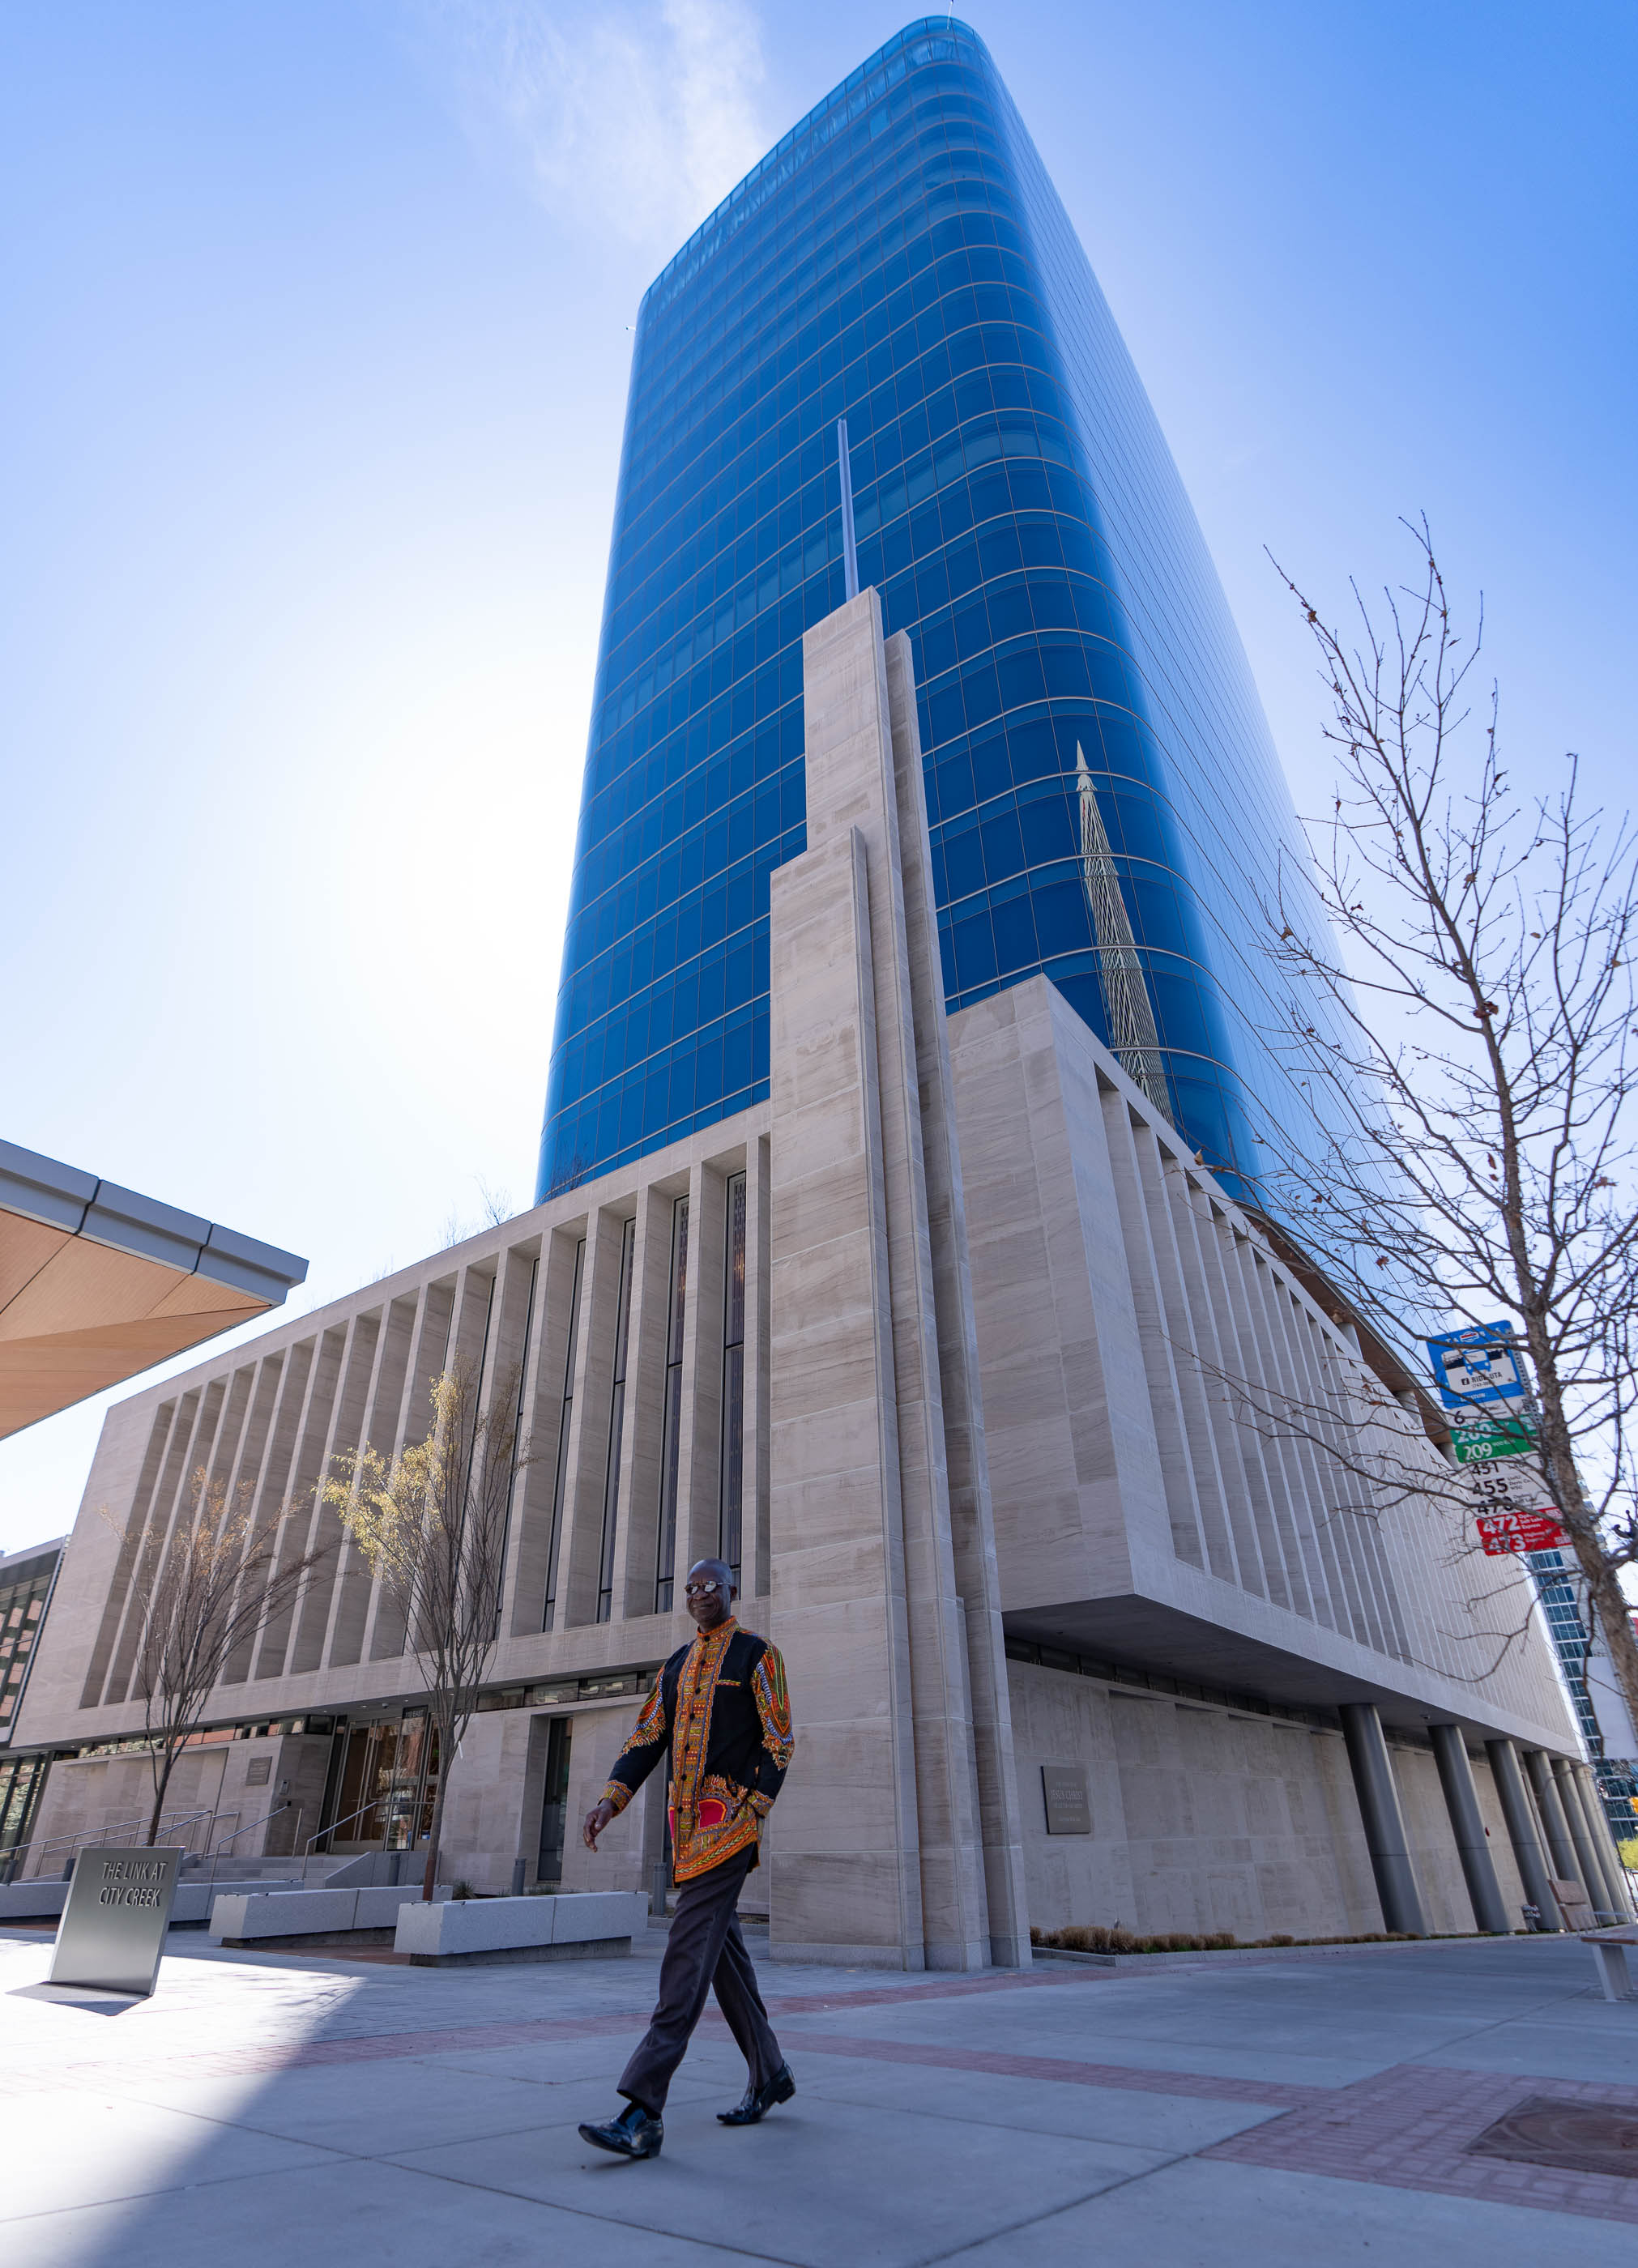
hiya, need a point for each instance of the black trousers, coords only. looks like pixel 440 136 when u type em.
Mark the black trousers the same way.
pixel 704 1952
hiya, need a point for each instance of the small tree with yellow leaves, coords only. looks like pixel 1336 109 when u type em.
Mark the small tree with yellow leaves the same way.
pixel 432 1525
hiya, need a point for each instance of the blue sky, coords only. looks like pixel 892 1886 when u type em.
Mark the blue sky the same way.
pixel 314 359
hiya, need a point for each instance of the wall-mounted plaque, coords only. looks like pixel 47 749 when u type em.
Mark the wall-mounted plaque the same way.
pixel 258 1771
pixel 113 1923
pixel 1068 1811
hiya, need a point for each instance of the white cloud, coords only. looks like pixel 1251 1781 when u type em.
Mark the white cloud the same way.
pixel 631 118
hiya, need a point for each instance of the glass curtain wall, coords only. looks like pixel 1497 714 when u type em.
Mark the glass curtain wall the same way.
pixel 21 1781
pixel 901 259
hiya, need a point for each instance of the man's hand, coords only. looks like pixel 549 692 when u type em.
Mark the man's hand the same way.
pixel 596 1819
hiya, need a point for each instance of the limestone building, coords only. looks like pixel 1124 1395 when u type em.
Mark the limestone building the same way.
pixel 940 1333
pixel 891 1238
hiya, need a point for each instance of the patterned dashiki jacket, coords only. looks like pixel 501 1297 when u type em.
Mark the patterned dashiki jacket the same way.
pixel 720 1707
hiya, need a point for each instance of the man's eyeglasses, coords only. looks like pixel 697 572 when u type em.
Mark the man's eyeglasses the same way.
pixel 702 1591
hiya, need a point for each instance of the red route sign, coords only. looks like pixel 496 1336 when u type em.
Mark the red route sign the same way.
pixel 1501 1532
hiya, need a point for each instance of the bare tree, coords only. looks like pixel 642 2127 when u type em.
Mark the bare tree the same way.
pixel 202 1597
pixel 1464 1027
pixel 494 1212
pixel 433 1527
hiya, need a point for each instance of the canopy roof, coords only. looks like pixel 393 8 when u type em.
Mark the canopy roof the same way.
pixel 98 1284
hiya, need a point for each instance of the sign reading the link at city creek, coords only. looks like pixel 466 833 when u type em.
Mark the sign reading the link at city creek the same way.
pixel 114 1924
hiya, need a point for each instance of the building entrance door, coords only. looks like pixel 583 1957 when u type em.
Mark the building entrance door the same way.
pixel 388 1786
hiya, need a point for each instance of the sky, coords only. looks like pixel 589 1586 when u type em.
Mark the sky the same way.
pixel 316 330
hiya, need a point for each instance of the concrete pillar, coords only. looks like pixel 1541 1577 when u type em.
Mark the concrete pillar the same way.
pixel 1472 1848
pixel 1384 1824
pixel 882 1849
pixel 844 1868
pixel 1521 1826
pixel 1560 1849
pixel 1603 1840
pixel 1589 1859
pixel 971 1516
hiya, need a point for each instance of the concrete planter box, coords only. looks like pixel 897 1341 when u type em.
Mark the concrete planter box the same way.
pixel 587 1924
pixel 40 1901
pixel 296 1918
pixel 33 1901
pixel 195 1900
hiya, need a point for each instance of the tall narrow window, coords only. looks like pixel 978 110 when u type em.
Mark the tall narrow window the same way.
pixel 555 1808
pixel 671 1446
pixel 517 1440
pixel 733 1504
pixel 560 1490
pixel 616 1426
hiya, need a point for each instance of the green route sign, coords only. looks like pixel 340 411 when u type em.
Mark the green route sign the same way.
pixel 1482 1439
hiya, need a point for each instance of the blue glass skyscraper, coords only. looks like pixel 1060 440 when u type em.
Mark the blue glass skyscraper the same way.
pixel 1091 732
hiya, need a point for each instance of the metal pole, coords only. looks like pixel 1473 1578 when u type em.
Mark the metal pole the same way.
pixel 1384 1822
pixel 1521 1827
pixel 1598 1890
pixel 1560 1847
pixel 1604 1839
pixel 1461 1800
pixel 849 549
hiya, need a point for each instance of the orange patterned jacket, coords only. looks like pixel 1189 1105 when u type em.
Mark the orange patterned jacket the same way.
pixel 721 1716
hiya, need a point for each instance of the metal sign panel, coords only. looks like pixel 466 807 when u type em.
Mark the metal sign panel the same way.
pixel 1501 1532
pixel 113 1923
pixel 1518 1485
pixel 1481 1441
pixel 1068 1811
pixel 1476 1366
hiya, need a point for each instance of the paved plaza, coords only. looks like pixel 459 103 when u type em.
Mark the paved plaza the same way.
pixel 286 2112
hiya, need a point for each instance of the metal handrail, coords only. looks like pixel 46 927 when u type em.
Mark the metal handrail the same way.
pixel 259 1824
pixel 374 1803
pixel 88 1834
pixel 237 1831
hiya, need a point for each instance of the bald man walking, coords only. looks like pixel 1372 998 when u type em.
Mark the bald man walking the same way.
pixel 719 1715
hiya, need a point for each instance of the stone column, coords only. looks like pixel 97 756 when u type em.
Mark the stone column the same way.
pixel 1604 1839
pixel 1521 1827
pixel 881 1851
pixel 1560 1849
pixel 844 1868
pixel 971 1517
pixel 1587 1852
pixel 1462 1802
pixel 1384 1822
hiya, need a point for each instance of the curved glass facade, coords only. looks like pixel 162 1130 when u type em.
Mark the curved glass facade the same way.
pixel 901 260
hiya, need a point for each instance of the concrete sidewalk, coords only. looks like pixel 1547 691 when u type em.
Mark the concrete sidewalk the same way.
pixel 307 2113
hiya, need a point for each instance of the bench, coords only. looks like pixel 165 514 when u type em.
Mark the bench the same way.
pixel 1609 1950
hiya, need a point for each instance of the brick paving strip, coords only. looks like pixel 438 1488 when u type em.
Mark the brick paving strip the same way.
pixel 1409 2128
pixel 1206 2086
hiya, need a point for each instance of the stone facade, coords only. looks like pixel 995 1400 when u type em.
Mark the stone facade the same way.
pixel 985 1424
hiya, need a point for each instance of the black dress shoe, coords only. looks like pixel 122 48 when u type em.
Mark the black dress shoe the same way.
pixel 759 2100
pixel 635 2133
